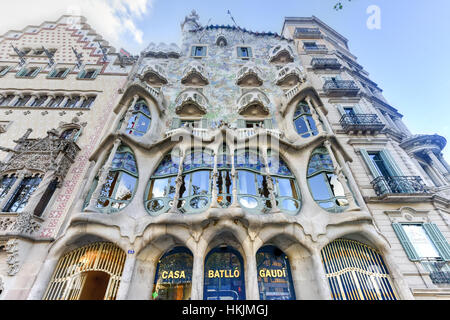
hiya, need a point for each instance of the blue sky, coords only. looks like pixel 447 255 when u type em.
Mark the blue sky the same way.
pixel 407 57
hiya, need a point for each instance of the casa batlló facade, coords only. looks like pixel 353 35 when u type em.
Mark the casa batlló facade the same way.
pixel 237 165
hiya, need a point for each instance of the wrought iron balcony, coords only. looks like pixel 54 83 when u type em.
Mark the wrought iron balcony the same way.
pixel 339 88
pixel 316 48
pixel 307 33
pixel 325 63
pixel 439 270
pixel 399 185
pixel 361 123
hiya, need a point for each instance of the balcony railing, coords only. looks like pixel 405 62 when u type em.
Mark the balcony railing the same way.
pixel 316 48
pixel 361 122
pixel 398 185
pixel 325 63
pixel 439 270
pixel 307 33
pixel 341 88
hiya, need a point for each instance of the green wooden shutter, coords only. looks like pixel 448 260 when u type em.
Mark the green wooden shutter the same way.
pixel 438 239
pixel 193 51
pixel 65 73
pixel 268 124
pixel 341 109
pixel 5 71
pixel 36 72
pixel 96 73
pixel 373 169
pixel 81 74
pixel 250 54
pixel 404 240
pixel 22 72
pixel 394 170
pixel 241 123
pixel 176 122
pixel 52 73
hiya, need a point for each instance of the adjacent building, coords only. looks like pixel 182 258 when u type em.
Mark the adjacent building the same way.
pixel 236 165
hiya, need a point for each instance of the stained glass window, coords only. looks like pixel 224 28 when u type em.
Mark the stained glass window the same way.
pixel 323 183
pixel 303 121
pixel 274 275
pixel 121 181
pixel 173 280
pixel 224 275
pixel 140 120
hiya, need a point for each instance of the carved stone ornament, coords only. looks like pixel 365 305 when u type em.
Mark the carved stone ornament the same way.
pixel 12 248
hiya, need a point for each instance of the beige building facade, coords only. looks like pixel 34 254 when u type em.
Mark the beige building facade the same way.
pixel 238 165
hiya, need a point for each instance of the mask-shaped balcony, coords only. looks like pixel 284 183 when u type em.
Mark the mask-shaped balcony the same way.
pixel 154 75
pixel 253 103
pixel 340 88
pixel 191 103
pixel 249 75
pixel 195 74
pixel 290 75
pixel 281 54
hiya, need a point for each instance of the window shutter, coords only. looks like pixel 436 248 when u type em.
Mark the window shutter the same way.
pixel 407 245
pixel 52 73
pixel 22 72
pixel 193 51
pixel 370 164
pixel 341 109
pixel 241 123
pixel 81 74
pixel 96 73
pixel 65 73
pixel 176 122
pixel 5 71
pixel 36 72
pixel 268 123
pixel 204 123
pixel 75 137
pixel 250 54
pixel 394 170
pixel 438 239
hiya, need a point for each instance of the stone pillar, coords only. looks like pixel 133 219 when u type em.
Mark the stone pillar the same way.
pixel 129 113
pixel 234 179
pixel 14 100
pixel 127 275
pixel 214 188
pixel 20 176
pixel 252 289
pixel 445 163
pixel 270 183
pixel 197 277
pixel 104 171
pixel 341 177
pixel 80 102
pixel 436 162
pixel 314 115
pixel 179 182
pixel 43 279
pixel 321 279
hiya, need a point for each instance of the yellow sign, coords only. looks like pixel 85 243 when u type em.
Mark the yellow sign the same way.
pixel 173 275
pixel 223 274
pixel 266 273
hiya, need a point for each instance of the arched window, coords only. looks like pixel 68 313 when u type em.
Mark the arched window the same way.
pixel 173 280
pixel 356 272
pixel 92 272
pixel 274 275
pixel 224 180
pixel 140 120
pixel 72 133
pixel 253 192
pixel 121 182
pixel 224 275
pixel 286 190
pixel 303 121
pixel 162 186
pixel 5 185
pixel 22 194
pixel 195 190
pixel 325 188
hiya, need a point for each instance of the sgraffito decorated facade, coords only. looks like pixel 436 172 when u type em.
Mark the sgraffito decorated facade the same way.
pixel 236 165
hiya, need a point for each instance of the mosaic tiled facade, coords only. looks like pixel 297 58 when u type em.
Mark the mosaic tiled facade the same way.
pixel 236 165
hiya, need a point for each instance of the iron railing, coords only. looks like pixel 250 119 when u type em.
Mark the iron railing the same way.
pixel 400 184
pixel 361 122
pixel 439 270
pixel 325 63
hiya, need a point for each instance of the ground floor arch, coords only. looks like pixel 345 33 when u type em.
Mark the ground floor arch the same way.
pixel 356 271
pixel 92 272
